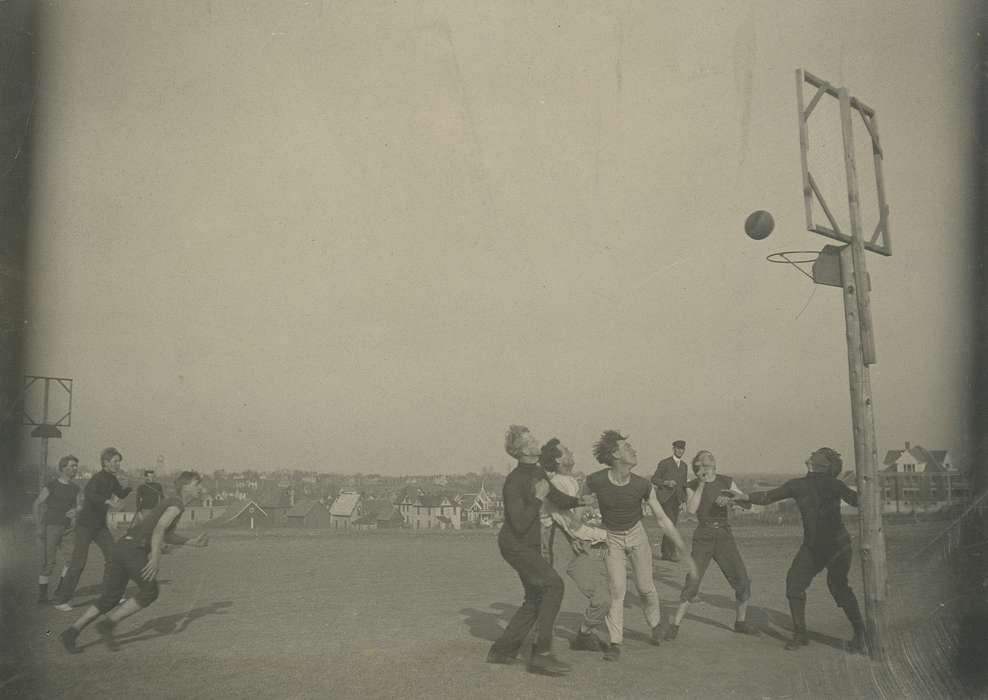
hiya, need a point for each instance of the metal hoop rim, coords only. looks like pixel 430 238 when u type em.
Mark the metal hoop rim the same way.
pixel 781 257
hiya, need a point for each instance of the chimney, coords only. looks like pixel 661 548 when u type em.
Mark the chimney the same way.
pixel 907 445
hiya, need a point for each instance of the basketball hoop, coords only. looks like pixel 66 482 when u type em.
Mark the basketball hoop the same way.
pixel 796 258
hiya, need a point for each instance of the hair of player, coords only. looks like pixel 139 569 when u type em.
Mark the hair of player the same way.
pixel 604 449
pixel 514 439
pixel 64 462
pixel 699 459
pixel 109 453
pixel 836 465
pixel 550 455
pixel 186 477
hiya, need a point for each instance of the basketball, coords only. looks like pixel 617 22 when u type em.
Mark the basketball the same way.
pixel 759 224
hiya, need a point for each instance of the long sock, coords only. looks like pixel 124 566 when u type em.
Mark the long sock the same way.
pixel 853 612
pixel 797 608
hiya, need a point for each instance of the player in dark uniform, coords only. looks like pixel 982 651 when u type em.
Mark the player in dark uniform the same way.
pixel 149 493
pixel 710 496
pixel 135 557
pixel 102 492
pixel 826 542
pixel 520 542
pixel 59 499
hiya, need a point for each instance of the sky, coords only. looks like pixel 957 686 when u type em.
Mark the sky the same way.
pixel 367 237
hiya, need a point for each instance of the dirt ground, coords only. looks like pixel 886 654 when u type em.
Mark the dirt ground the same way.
pixel 284 614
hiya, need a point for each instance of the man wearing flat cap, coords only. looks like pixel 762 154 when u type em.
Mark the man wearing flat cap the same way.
pixel 670 488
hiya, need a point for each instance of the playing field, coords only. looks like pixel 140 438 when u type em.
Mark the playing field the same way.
pixel 288 614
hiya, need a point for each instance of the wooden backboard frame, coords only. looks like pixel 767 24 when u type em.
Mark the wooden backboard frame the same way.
pixel 65 384
pixel 881 239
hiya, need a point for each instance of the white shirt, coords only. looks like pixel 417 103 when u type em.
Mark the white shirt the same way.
pixel 573 527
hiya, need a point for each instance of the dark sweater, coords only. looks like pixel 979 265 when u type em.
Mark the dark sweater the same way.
pixel 522 529
pixel 708 511
pixel 96 493
pixel 149 494
pixel 143 528
pixel 818 497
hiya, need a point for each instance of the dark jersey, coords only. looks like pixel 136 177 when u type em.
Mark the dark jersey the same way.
pixel 148 495
pixel 143 528
pixel 818 497
pixel 61 499
pixel 620 506
pixel 522 529
pixel 97 491
pixel 708 511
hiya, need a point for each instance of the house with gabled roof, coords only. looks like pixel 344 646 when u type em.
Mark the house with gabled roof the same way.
pixel 916 479
pixel 917 460
pixel 379 514
pixel 431 511
pixel 345 511
pixel 243 513
pixel 308 513
pixel 480 507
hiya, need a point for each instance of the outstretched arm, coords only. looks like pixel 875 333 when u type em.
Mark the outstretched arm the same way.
pixel 669 530
pixel 848 495
pixel 764 498
pixel 738 496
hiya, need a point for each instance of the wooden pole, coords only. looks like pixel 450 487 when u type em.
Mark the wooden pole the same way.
pixel 43 468
pixel 857 241
pixel 872 544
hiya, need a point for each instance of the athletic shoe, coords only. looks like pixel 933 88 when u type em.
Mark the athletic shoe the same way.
pixel 68 638
pixel 105 629
pixel 122 600
pixel 495 657
pixel 799 639
pixel 745 627
pixel 613 652
pixel 857 644
pixel 672 633
pixel 547 665
pixel 657 634
pixel 585 641
pixel 64 607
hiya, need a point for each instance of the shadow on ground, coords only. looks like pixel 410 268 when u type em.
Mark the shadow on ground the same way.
pixel 167 624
